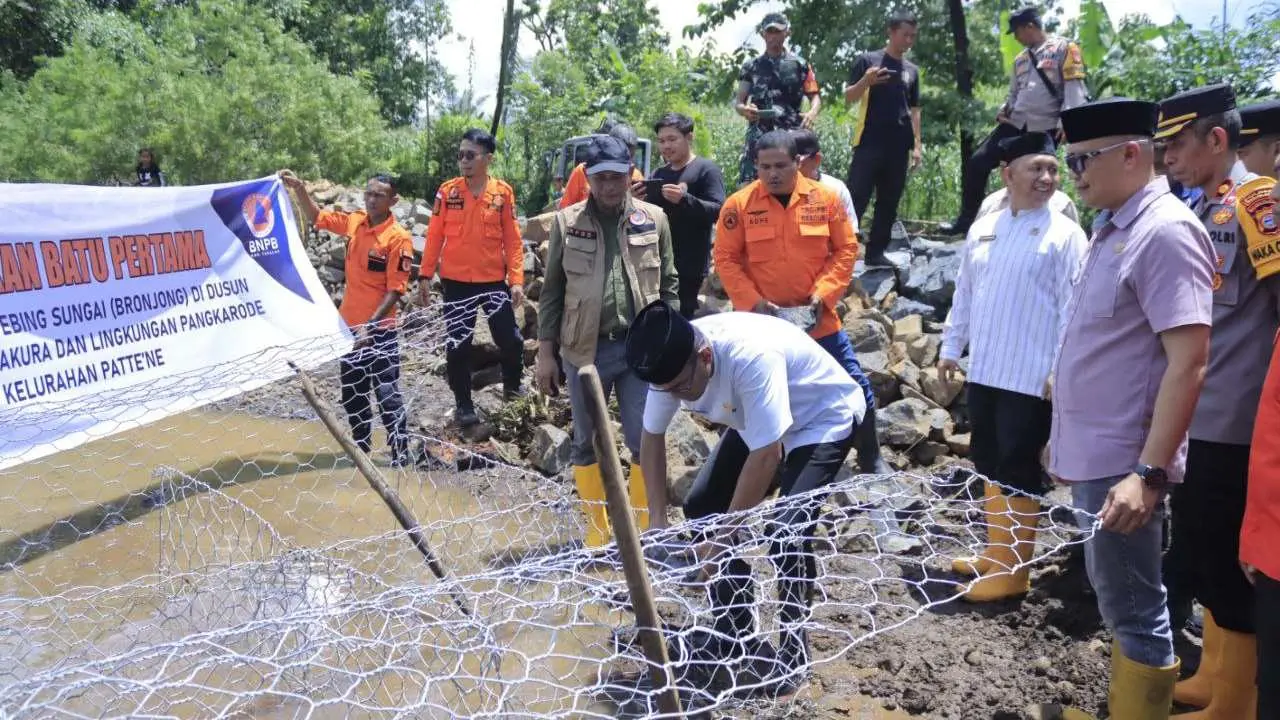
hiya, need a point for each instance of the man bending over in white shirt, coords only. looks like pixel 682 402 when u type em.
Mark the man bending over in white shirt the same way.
pixel 1009 308
pixel 791 411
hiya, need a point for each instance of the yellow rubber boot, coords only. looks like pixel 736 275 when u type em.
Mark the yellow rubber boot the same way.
pixel 591 493
pixel 1013 542
pixel 1197 690
pixel 1140 692
pixel 1235 689
pixel 639 498
pixel 975 565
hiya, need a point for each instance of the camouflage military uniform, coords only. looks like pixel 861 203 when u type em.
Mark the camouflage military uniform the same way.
pixel 779 83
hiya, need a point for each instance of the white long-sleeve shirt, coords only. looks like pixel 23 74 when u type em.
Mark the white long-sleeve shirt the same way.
pixel 1011 294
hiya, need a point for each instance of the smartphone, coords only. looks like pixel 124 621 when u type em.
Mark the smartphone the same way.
pixel 769 113
pixel 653 191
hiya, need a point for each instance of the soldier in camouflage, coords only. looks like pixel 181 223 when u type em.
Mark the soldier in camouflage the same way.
pixel 1200 130
pixel 770 90
pixel 1048 77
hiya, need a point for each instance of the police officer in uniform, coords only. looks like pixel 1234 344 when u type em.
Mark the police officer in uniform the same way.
pixel 608 257
pixel 1200 130
pixel 1260 137
pixel 771 87
pixel 1048 77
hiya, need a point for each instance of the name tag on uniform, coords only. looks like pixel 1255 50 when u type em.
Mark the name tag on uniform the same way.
pixel 986 238
pixel 376 262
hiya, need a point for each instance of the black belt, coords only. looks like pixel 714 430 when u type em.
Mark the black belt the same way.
pixel 614 336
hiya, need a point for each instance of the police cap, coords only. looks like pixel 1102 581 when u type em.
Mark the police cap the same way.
pixel 608 154
pixel 1111 117
pixel 1023 16
pixel 659 343
pixel 1180 110
pixel 1259 120
pixel 774 20
pixel 1029 143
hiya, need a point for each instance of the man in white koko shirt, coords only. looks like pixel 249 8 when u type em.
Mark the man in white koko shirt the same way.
pixel 791 410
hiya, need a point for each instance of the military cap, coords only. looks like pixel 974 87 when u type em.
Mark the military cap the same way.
pixel 608 154
pixel 1180 110
pixel 775 20
pixel 1028 143
pixel 1259 120
pixel 659 343
pixel 1109 118
pixel 1023 16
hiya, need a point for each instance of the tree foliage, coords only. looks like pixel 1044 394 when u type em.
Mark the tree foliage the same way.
pixel 221 92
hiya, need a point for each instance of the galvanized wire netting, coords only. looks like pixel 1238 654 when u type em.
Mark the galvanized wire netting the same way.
pixel 231 562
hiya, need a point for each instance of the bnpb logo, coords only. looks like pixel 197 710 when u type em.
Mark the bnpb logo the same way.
pixel 259 216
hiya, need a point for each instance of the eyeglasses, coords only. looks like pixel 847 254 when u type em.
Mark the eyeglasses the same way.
pixel 1078 162
pixel 468 154
pixel 682 387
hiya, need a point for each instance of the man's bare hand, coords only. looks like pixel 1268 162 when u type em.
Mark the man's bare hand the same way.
pixel 764 307
pixel 424 293
pixel 637 190
pixel 517 297
pixel 749 111
pixel 948 369
pixel 362 337
pixel 546 371
pixel 1002 117
pixel 808 119
pixel 289 179
pixel 674 192
pixel 1047 393
pixel 1129 505
pixel 917 158
pixel 876 75
pixel 1250 572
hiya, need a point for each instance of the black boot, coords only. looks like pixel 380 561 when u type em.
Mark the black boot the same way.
pixel 866 443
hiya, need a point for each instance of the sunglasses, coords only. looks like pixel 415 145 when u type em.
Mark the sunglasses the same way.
pixel 1077 163
pixel 468 154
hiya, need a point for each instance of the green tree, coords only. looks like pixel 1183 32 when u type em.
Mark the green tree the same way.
pixel 221 92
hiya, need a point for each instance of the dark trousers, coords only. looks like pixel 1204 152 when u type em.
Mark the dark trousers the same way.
pixel 732 591
pixel 375 369
pixel 1010 430
pixel 1207 512
pixel 462 301
pixel 1267 615
pixel 690 273
pixel 973 185
pixel 866 443
pixel 879 165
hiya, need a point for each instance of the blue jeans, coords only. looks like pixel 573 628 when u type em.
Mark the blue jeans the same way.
pixel 1125 573
pixel 611 364
pixel 838 346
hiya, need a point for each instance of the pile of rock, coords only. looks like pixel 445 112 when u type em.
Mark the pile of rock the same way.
pixel 893 317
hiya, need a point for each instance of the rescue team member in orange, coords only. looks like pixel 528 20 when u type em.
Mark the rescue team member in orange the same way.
pixel 1260 531
pixel 575 189
pixel 474 241
pixel 785 246
pixel 379 262
pixel 608 257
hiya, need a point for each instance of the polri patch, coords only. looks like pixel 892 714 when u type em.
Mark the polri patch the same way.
pixel 1222 216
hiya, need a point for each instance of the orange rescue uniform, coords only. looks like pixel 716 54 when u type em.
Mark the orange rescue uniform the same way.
pixel 379 260
pixel 576 189
pixel 785 255
pixel 1260 530
pixel 474 238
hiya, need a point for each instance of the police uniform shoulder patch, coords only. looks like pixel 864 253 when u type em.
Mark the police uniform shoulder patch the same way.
pixel 1225 188
pixel 1073 64
pixel 1256 210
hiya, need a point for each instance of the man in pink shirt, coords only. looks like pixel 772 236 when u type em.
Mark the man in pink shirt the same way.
pixel 1127 379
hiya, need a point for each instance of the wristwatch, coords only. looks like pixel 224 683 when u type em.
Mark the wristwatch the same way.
pixel 1153 477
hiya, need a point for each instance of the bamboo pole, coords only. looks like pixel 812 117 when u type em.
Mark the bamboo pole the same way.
pixel 624 531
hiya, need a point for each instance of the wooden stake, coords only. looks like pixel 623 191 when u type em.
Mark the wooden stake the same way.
pixel 375 479
pixel 624 531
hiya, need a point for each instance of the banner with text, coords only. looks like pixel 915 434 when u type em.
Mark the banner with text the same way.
pixel 105 289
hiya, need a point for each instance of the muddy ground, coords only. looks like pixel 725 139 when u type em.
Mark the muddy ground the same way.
pixel 954 662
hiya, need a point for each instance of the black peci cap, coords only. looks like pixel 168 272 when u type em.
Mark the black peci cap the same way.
pixel 1259 120
pixel 1111 117
pixel 1180 110
pixel 659 343
pixel 1029 143
pixel 608 154
pixel 1023 16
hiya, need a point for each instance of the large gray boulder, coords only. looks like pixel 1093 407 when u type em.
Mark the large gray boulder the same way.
pixel 904 423
pixel 549 452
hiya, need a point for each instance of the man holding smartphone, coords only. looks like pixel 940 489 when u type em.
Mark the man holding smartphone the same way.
pixel 690 189
pixel 887 87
